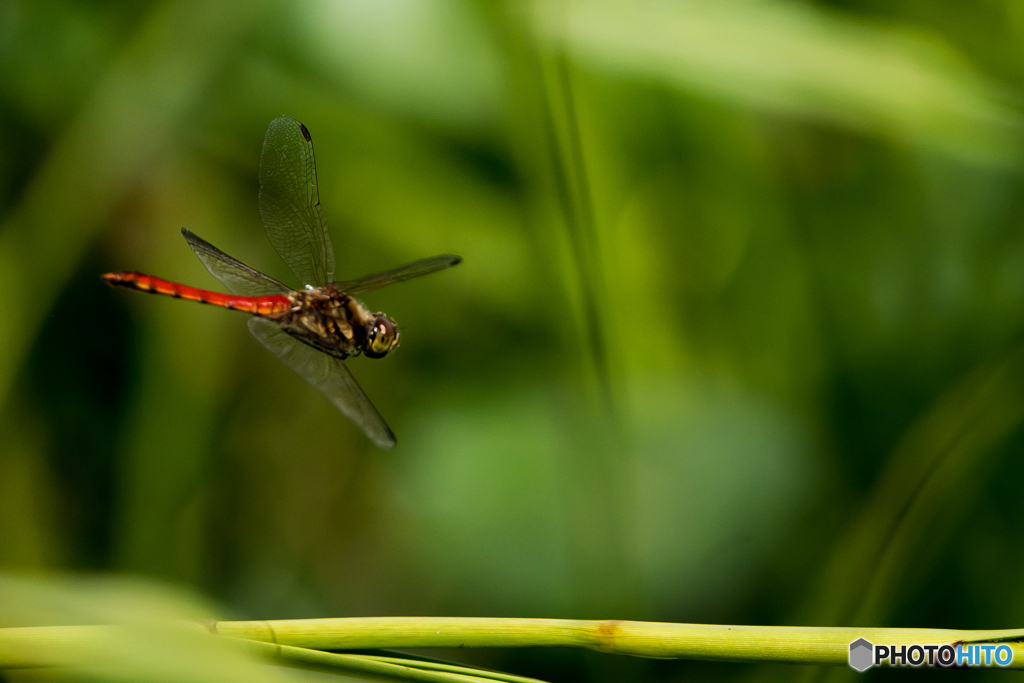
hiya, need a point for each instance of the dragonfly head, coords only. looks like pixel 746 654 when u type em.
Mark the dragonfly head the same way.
pixel 381 336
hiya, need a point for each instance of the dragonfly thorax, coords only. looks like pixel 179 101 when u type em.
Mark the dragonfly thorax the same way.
pixel 332 321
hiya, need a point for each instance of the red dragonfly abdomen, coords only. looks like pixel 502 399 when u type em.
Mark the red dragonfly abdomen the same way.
pixel 257 305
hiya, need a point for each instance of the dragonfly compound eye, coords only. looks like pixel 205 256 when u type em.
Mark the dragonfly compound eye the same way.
pixel 381 338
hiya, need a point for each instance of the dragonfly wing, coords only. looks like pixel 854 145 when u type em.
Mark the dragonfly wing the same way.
pixel 329 375
pixel 290 202
pixel 233 274
pixel 406 272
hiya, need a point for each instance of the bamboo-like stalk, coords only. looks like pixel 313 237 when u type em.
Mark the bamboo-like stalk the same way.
pixel 810 645
pixel 42 646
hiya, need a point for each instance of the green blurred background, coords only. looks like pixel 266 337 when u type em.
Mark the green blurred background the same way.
pixel 737 339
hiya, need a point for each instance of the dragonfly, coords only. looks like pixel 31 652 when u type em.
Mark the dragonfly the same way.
pixel 315 328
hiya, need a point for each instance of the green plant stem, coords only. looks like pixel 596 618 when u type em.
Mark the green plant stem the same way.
pixel 641 639
pixel 42 646
pixel 390 667
pixel 438 666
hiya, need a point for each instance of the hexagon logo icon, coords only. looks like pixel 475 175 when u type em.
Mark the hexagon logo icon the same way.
pixel 861 654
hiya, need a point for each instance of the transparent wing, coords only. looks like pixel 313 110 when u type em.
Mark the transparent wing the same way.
pixel 329 375
pixel 290 202
pixel 235 275
pixel 406 272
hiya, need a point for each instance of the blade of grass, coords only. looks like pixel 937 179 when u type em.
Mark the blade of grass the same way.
pixel 931 476
pixel 549 129
pixel 438 666
pixel 167 651
pixel 389 667
pixel 801 61
pixel 125 126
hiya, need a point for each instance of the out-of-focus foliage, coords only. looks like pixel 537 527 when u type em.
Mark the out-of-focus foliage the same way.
pixel 737 337
pixel 150 632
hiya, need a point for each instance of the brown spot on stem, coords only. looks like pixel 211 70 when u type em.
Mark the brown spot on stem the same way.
pixel 606 634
